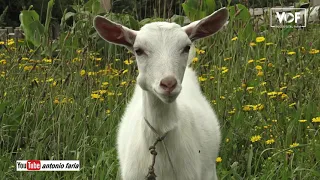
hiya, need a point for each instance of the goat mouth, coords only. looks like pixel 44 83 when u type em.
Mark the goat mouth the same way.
pixel 167 97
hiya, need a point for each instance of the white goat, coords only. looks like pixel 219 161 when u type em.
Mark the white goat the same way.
pixel 193 133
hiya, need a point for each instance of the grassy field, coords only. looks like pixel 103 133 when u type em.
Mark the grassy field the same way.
pixel 266 94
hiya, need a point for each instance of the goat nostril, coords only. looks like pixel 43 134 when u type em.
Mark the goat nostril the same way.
pixel 168 83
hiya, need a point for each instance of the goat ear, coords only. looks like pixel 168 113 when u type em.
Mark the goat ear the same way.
pixel 113 32
pixel 208 25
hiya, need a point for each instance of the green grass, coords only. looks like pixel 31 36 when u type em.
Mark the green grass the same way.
pixel 47 110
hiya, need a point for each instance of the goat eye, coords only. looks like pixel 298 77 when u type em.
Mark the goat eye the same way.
pixel 186 49
pixel 139 52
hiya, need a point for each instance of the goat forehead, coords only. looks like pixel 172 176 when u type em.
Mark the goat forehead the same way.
pixel 160 25
pixel 161 33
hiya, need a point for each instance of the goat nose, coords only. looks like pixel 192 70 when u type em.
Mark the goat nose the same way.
pixel 168 84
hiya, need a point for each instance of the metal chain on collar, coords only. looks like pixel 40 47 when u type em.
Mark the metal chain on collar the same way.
pixel 151 174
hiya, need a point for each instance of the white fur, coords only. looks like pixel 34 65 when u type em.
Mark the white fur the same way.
pixel 163 56
pixel 194 136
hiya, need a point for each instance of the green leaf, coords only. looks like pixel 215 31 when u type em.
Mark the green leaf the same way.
pixel 48 17
pixel 285 32
pixel 134 24
pixel 192 13
pixel 250 156
pixel 210 6
pixel 240 19
pixel 3 107
pixel 31 26
pixel 96 7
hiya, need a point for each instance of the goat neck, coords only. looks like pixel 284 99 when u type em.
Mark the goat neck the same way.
pixel 162 116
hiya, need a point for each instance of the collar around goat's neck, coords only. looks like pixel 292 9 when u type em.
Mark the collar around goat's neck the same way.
pixel 161 116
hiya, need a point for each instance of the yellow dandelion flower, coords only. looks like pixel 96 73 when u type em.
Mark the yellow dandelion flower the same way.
pixel 269 43
pixel 194 60
pixel 27 68
pixel 296 76
pixel 82 72
pixel 128 61
pixel 219 160
pixel 125 71
pixel 292 104
pixel 252 44
pixel 2 43
pixel 234 39
pixel 123 83
pixel 46 60
pixel 56 101
pixel 102 91
pixel 3 62
pixel 250 88
pixel 228 58
pixel 291 53
pixel 232 111
pixel 260 73
pixel 92 73
pixel 76 60
pixel 49 80
pixel 314 51
pixel 95 96
pixel 225 71
pixel 255 138
pixel 54 84
pixel 201 51
pixel 201 79
pixel 64 100
pixel 258 67
pixel 294 145
pixel 279 93
pixel 222 97
pixel 282 88
pixel 3 74
pixel 289 151
pixel 246 108
pixel 10 42
pixel 316 119
pixel 250 61
pixel 302 120
pixel 263 92
pixel 270 141
pixel 284 96
pixel 105 84
pixel 260 39
pixel 110 93
pixel 260 107
pixel 98 59
pixel 272 93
